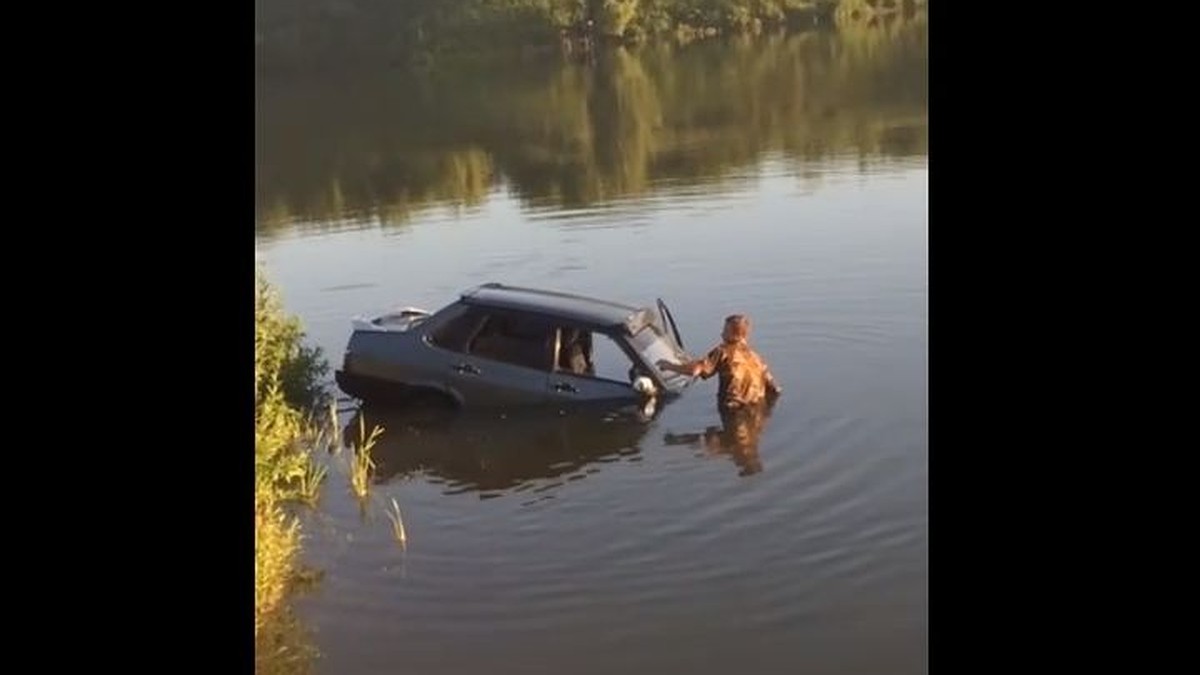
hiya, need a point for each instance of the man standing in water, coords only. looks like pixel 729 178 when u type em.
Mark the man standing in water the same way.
pixel 745 380
pixel 745 395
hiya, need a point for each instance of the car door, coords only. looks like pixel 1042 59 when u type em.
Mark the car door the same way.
pixel 507 362
pixel 606 380
pixel 669 321
pixel 490 358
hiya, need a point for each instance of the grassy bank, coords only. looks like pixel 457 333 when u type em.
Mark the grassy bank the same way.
pixel 286 376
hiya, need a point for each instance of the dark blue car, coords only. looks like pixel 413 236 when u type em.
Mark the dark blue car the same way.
pixel 504 346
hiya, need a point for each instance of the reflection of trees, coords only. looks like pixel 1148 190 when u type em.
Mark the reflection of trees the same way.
pixel 390 190
pixel 578 134
pixel 626 112
pixel 586 136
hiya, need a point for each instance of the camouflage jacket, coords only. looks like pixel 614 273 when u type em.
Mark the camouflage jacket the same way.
pixel 745 378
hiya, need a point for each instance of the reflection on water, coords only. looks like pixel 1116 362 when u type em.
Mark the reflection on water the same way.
pixel 561 134
pixel 736 438
pixel 494 455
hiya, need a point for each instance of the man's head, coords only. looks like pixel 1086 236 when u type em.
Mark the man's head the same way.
pixel 737 327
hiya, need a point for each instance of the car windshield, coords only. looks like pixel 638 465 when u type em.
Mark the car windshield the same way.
pixel 655 347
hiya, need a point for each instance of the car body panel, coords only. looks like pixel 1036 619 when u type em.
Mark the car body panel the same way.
pixel 506 346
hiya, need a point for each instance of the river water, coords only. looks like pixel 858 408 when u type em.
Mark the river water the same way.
pixel 785 178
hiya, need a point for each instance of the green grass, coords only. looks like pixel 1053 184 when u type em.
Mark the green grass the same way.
pixel 286 472
pixel 362 466
pixel 288 436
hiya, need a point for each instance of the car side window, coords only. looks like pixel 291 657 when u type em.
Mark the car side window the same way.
pixel 517 339
pixel 458 329
pixel 592 354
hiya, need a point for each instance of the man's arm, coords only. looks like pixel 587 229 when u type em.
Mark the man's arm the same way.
pixel 691 368
pixel 704 367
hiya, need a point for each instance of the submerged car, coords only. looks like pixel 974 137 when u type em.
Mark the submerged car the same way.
pixel 504 346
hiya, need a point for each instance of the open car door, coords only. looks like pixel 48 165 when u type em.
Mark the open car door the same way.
pixel 669 320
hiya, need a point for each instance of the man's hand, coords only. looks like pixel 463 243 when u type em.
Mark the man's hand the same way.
pixel 689 368
pixel 773 388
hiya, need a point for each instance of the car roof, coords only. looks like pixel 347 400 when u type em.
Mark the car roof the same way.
pixel 568 306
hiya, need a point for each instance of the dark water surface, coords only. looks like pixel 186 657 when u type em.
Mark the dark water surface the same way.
pixel 783 178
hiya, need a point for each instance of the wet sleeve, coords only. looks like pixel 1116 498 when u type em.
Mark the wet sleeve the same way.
pixel 709 364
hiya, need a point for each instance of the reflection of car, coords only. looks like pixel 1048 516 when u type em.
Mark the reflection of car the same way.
pixel 499 345
pixel 491 454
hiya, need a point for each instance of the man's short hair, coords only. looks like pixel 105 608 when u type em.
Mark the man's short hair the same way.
pixel 740 324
